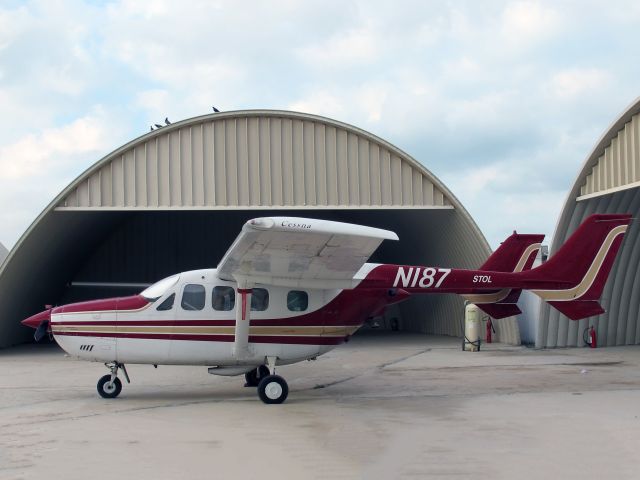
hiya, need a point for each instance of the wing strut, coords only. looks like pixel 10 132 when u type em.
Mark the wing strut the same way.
pixel 243 320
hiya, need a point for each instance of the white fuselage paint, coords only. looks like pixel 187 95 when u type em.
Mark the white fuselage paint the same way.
pixel 190 352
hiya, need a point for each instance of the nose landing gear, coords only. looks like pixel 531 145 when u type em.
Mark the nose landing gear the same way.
pixel 110 386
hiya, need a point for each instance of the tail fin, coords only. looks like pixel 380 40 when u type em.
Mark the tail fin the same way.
pixel 581 267
pixel 516 254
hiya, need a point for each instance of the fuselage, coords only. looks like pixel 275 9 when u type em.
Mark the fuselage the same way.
pixel 192 322
pixel 192 318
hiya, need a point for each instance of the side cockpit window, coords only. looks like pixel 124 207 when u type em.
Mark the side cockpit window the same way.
pixel 167 303
pixel 193 297
pixel 224 298
pixel 297 300
pixel 158 289
pixel 259 299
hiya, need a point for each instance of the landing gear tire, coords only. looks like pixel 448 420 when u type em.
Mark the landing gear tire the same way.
pixel 254 376
pixel 273 389
pixel 109 389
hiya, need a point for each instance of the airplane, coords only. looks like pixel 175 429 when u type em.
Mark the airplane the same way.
pixel 291 289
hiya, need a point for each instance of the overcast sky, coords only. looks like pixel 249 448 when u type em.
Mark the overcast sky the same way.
pixel 501 100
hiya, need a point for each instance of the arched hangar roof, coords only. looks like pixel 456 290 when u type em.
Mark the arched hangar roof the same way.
pixel 124 219
pixel 607 183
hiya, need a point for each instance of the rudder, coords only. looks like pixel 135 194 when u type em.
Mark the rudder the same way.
pixel 582 265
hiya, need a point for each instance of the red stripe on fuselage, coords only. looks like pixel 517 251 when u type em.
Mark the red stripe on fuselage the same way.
pixel 152 323
pixel 290 339
pixel 135 302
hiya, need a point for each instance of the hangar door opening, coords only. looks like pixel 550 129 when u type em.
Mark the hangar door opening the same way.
pixel 130 250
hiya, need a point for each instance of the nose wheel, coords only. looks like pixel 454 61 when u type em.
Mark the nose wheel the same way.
pixel 110 385
pixel 108 388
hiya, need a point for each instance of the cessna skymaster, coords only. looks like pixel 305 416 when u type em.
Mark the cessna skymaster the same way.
pixel 291 289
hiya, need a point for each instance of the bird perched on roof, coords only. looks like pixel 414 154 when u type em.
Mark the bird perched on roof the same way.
pixel 151 128
pixel 166 121
pixel 158 125
pixel 215 110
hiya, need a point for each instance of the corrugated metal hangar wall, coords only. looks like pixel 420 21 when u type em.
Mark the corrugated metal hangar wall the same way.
pixel 174 199
pixel 608 183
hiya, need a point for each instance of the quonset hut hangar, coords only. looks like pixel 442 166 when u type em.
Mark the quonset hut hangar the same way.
pixel 609 182
pixel 3 253
pixel 175 199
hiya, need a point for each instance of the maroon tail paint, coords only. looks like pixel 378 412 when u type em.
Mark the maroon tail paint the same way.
pixel 508 258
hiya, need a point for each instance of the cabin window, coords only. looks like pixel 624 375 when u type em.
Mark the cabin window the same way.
pixel 224 298
pixel 193 297
pixel 259 299
pixel 167 303
pixel 297 300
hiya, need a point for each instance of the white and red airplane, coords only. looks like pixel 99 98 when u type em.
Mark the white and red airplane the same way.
pixel 290 289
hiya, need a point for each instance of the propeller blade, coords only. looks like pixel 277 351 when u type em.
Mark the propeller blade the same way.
pixel 41 331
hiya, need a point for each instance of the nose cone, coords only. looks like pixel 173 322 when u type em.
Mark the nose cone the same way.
pixel 34 321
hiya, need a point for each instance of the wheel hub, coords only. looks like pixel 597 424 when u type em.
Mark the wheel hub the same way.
pixel 273 390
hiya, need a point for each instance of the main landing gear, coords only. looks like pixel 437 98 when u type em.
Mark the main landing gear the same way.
pixel 110 385
pixel 254 376
pixel 272 388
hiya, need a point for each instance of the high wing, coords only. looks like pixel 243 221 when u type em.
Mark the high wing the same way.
pixel 302 252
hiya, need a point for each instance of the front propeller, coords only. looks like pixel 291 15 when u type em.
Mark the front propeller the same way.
pixel 41 323
pixel 41 331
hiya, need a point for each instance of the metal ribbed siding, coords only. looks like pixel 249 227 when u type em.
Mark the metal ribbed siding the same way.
pixel 256 160
pixel 608 183
pixel 618 166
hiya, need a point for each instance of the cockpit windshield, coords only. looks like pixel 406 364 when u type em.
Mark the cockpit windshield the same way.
pixel 158 289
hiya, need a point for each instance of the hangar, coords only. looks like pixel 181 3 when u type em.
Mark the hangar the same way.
pixel 174 200
pixel 608 182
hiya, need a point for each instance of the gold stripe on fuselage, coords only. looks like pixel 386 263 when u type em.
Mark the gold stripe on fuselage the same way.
pixel 208 330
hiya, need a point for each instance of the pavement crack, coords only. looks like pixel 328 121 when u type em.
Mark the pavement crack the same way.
pixel 407 357
pixel 331 384
pixel 38 421
pixel 369 370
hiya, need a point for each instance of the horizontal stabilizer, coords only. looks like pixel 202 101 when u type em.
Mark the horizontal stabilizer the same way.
pixel 578 309
pixel 499 310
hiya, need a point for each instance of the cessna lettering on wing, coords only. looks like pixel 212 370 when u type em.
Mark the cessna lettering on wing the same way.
pixel 285 223
pixel 420 277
